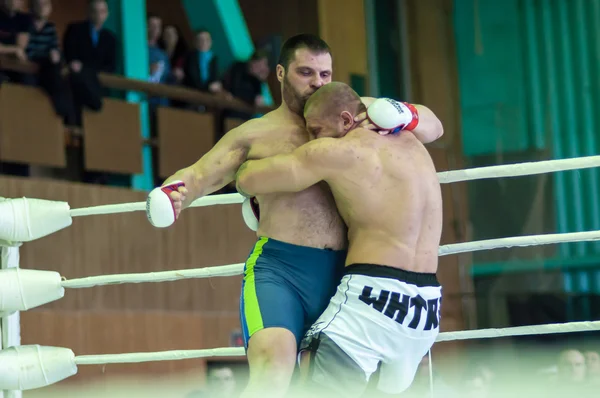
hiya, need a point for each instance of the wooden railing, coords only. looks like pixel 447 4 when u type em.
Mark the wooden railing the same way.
pixel 178 93
pixel 31 133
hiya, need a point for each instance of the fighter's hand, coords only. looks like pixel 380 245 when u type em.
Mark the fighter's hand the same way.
pixel 178 197
pixel 363 122
pixel 164 204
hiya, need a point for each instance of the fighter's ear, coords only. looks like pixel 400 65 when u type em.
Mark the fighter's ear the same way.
pixel 280 70
pixel 347 119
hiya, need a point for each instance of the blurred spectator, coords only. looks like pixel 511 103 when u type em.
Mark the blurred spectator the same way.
pixel 43 40
pixel 173 44
pixel 244 81
pixel 14 34
pixel 160 65
pixel 571 367
pixel 592 364
pixel 201 67
pixel 89 49
pixel 220 383
pixel 43 50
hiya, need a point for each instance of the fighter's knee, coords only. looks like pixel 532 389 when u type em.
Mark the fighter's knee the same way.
pixel 274 347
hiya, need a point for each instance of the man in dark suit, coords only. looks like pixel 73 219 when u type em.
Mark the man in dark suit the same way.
pixel 89 49
pixel 201 68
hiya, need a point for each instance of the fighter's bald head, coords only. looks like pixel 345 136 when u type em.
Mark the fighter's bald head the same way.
pixel 332 99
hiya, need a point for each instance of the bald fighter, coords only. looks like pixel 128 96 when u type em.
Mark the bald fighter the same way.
pixel 385 312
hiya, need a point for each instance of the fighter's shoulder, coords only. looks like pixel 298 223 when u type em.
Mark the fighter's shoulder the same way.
pixel 257 127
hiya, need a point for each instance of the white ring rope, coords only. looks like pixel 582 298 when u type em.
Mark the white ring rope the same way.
pixel 176 355
pixel 165 276
pixel 240 351
pixel 224 199
pixel 554 328
pixel 518 241
pixel 519 169
pixel 445 177
pixel 237 269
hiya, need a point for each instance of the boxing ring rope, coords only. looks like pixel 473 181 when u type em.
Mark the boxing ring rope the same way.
pixel 238 269
pixel 445 177
pixel 23 220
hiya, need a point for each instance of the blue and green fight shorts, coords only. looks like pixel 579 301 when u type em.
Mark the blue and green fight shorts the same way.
pixel 287 286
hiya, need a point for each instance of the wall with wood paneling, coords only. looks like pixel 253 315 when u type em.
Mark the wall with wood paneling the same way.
pixel 342 26
pixel 135 317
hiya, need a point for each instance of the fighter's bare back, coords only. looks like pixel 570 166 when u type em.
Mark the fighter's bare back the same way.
pixel 390 198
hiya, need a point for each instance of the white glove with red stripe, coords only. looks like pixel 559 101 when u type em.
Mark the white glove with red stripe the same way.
pixel 161 208
pixel 391 116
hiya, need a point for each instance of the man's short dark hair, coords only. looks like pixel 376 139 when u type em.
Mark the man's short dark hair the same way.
pixel 311 42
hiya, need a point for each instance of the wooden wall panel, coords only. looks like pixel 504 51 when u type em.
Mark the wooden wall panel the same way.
pixel 342 26
pixel 126 243
pixel 30 138
pixel 113 137
pixel 184 137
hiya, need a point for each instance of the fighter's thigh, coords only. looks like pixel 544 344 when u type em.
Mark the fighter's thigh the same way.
pixel 326 368
pixel 397 375
pixel 267 302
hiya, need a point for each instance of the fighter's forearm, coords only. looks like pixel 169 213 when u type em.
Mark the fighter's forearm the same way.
pixel 259 177
pixel 430 128
pixel 281 173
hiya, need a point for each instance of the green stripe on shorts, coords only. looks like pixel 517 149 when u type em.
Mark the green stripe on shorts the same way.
pixel 252 313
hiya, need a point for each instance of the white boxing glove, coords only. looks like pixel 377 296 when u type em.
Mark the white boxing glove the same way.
pixel 251 213
pixel 389 114
pixel 159 205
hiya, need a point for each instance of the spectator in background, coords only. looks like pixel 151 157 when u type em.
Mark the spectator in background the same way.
pixel 89 49
pixel 244 81
pixel 220 383
pixel 592 364
pixel 43 50
pixel 160 65
pixel 201 66
pixel 173 44
pixel 14 34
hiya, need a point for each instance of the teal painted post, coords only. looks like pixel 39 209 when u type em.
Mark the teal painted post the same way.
pixel 135 66
pixel 235 28
pixel 128 20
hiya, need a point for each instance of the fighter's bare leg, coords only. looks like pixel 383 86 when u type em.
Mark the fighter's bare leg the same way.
pixel 272 358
